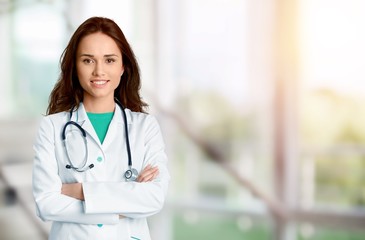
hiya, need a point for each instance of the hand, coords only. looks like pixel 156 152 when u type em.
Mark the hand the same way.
pixel 73 190
pixel 148 174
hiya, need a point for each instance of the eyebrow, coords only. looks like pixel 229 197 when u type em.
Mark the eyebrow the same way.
pixel 90 55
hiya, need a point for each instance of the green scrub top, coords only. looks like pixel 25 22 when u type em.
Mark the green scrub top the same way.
pixel 100 122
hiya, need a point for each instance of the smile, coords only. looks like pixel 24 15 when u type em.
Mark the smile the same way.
pixel 99 82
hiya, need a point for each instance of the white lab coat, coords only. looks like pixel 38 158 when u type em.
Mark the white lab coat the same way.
pixel 107 194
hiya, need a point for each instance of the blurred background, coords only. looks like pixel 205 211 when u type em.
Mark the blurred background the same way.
pixel 261 104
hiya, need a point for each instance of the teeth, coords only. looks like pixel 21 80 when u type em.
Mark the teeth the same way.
pixel 99 82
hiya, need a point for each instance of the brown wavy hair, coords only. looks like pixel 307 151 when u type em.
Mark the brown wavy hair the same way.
pixel 68 93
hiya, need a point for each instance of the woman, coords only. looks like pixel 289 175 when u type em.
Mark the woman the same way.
pixel 95 118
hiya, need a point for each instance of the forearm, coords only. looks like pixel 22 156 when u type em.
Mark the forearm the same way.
pixel 132 199
pixel 73 190
pixel 70 210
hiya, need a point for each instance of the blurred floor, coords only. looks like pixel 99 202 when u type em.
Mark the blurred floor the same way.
pixel 18 220
pixel 15 222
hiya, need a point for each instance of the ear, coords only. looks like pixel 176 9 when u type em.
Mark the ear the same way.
pixel 122 70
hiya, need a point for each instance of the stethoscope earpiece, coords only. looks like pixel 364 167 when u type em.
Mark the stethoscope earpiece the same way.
pixel 68 166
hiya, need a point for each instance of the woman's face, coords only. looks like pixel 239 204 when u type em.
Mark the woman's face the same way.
pixel 99 66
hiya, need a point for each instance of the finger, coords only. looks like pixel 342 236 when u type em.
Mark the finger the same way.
pixel 148 175
pixel 146 171
pixel 148 178
pixel 147 167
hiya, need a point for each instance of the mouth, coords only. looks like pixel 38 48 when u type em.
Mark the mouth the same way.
pixel 99 82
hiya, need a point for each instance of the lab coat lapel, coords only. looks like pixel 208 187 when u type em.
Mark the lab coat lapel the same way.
pixel 82 119
pixel 116 127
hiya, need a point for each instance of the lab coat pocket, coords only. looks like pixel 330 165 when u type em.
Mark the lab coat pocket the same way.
pixel 68 231
pixel 139 229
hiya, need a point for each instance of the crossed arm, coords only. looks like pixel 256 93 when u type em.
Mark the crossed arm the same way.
pixel 74 190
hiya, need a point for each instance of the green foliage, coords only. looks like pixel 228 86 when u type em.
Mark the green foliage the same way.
pixel 341 180
pixel 335 234
pixel 328 118
pixel 334 124
pixel 215 227
pixel 218 228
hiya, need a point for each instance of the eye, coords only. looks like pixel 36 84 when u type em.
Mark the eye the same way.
pixel 87 61
pixel 110 60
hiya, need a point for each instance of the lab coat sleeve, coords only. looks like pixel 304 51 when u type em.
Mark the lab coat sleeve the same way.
pixel 133 199
pixel 50 203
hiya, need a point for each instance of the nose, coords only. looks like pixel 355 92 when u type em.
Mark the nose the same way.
pixel 98 69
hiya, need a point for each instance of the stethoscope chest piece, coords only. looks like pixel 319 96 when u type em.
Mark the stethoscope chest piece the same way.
pixel 131 175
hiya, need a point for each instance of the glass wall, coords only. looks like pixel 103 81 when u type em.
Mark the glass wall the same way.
pixel 38 35
pixel 208 93
pixel 332 95
pixel 260 104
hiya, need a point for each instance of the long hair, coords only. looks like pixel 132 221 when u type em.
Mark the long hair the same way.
pixel 68 93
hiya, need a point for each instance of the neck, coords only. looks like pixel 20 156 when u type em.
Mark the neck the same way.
pixel 99 105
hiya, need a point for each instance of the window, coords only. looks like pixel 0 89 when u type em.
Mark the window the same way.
pixel 332 97
pixel 38 33
pixel 270 90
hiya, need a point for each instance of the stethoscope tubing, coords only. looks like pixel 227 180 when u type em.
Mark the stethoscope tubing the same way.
pixel 128 146
pixel 131 174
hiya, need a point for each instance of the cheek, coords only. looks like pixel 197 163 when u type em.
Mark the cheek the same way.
pixel 82 74
pixel 117 75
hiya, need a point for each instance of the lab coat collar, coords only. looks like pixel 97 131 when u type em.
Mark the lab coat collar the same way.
pixel 80 116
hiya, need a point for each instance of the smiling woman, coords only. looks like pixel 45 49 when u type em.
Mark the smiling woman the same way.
pixel 98 195
pixel 86 42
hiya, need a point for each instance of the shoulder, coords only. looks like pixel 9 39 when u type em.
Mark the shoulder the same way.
pixel 49 126
pixel 137 116
pixel 54 119
pixel 140 118
pixel 58 116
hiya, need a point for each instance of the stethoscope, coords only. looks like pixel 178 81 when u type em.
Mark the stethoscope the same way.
pixel 130 175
